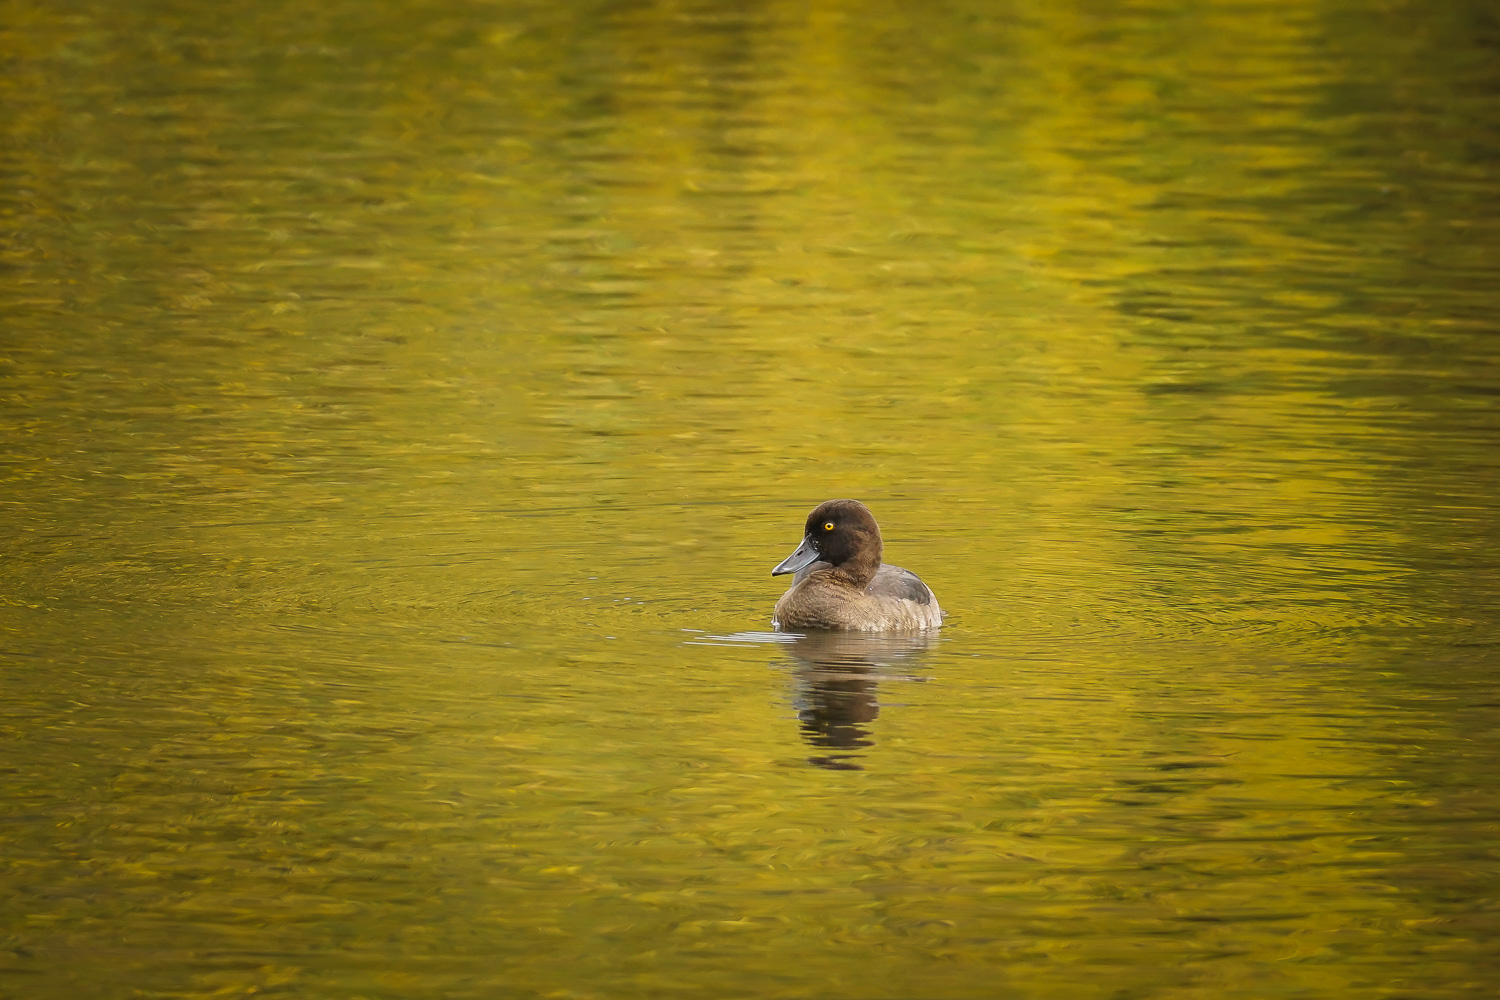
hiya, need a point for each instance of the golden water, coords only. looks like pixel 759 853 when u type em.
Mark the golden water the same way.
pixel 404 404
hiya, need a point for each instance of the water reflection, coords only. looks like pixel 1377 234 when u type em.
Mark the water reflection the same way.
pixel 838 675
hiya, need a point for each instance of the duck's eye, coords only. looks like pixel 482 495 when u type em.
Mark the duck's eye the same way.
pixel 827 525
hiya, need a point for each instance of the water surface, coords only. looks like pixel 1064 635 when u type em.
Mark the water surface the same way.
pixel 403 409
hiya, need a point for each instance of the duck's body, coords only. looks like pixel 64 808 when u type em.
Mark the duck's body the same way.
pixel 841 582
pixel 895 600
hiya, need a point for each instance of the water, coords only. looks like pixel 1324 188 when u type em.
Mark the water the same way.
pixel 403 410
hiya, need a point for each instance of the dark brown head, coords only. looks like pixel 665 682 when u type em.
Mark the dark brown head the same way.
pixel 842 533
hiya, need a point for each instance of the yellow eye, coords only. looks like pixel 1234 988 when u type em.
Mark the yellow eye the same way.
pixel 827 525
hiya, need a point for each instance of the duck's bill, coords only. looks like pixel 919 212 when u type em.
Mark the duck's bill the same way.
pixel 806 555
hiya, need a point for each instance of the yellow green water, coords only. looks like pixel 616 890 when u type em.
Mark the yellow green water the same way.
pixel 403 406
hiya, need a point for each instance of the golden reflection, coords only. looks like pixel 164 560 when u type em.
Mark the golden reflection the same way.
pixel 838 676
pixel 388 392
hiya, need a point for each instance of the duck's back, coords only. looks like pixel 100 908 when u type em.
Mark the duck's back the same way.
pixel 901 584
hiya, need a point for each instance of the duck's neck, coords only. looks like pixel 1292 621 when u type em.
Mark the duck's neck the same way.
pixel 860 568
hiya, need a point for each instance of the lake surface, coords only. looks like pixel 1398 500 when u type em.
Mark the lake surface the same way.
pixel 403 407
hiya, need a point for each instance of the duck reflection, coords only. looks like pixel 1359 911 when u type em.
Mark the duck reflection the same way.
pixel 837 674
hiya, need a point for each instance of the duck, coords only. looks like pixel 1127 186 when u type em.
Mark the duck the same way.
pixel 840 582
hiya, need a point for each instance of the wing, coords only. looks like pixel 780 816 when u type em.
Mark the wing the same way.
pixel 893 581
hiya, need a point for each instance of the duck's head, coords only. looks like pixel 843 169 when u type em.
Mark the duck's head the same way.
pixel 842 533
